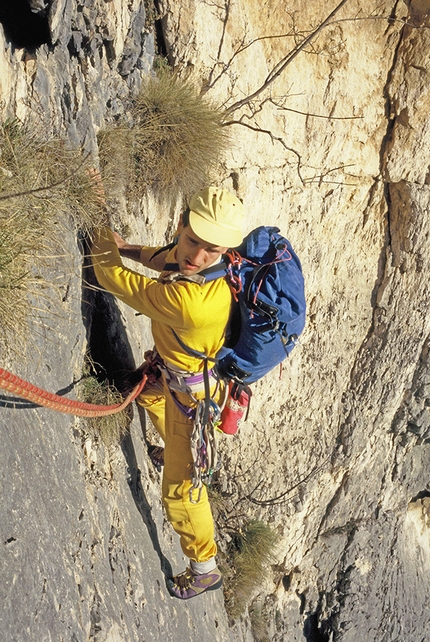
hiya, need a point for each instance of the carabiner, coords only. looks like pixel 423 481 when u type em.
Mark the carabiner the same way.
pixel 192 501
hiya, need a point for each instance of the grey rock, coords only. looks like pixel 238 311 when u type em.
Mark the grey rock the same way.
pixel 134 44
pixel 39 6
pixel 336 455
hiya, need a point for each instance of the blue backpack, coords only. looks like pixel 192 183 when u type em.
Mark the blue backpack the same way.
pixel 267 281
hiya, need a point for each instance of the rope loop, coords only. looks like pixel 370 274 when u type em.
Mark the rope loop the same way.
pixel 26 390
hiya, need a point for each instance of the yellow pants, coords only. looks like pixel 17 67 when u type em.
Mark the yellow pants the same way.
pixel 192 522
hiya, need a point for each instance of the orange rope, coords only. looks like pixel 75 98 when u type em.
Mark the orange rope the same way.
pixel 26 390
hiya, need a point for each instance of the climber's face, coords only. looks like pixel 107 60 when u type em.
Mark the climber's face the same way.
pixel 193 254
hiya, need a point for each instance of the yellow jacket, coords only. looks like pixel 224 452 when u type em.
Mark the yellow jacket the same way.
pixel 198 313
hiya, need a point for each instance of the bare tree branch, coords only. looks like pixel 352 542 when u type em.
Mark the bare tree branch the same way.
pixel 384 18
pixel 242 47
pixel 320 177
pixel 305 113
pixel 279 68
pixel 279 499
pixel 273 137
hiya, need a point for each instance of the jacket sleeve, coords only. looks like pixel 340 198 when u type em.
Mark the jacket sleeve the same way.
pixel 158 301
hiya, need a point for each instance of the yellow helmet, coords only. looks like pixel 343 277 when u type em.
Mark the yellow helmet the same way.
pixel 217 217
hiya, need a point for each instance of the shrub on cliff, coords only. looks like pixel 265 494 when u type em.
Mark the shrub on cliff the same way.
pixel 173 142
pixel 40 182
pixel 109 429
pixel 250 551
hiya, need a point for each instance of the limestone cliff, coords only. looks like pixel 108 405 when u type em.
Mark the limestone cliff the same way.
pixel 335 454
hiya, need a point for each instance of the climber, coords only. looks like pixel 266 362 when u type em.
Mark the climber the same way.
pixel 184 311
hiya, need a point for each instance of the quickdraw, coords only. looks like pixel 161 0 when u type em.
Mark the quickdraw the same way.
pixel 203 447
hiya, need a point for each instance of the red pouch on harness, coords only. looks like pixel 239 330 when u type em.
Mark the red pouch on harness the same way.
pixel 236 406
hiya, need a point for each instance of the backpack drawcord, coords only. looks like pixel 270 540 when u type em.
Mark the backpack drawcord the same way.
pixel 234 277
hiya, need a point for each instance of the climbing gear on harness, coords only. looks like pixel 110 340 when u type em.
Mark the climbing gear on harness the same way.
pixel 204 448
pixel 237 404
pixel 185 382
pixel 188 584
pixel 207 419
pixel 205 415
pixel 149 368
pixel 27 390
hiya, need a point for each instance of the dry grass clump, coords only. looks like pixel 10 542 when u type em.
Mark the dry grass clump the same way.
pixel 173 142
pixel 250 552
pixel 43 179
pixel 17 243
pixel 72 192
pixel 111 428
pixel 258 623
pixel 40 182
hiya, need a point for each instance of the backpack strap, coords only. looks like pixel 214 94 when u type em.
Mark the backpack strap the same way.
pixel 160 250
pixel 209 274
pixel 216 271
pixel 263 309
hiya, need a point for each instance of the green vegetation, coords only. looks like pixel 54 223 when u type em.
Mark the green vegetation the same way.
pixel 173 142
pixel 42 179
pixel 249 553
pixel 17 242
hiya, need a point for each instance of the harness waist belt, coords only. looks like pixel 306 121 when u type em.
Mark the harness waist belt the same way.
pixel 181 381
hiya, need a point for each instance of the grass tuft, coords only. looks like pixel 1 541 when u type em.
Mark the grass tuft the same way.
pixel 40 182
pixel 173 143
pixel 250 552
pixel 17 242
pixel 258 623
pixel 44 179
pixel 112 428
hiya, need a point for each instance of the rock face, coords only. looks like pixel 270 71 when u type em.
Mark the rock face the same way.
pixel 335 454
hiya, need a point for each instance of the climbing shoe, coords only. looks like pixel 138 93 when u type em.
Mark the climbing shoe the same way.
pixel 189 584
pixel 156 455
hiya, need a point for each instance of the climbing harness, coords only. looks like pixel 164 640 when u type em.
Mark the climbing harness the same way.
pixel 26 390
pixel 205 415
